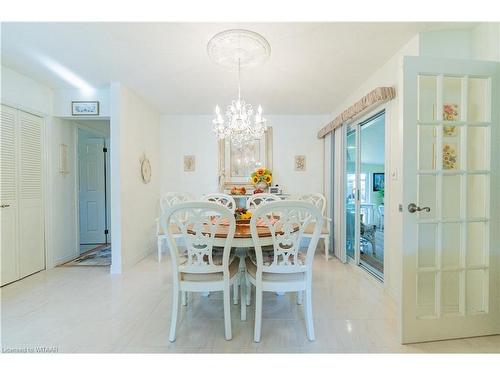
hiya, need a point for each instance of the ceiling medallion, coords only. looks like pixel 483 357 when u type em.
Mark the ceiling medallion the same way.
pixel 239 48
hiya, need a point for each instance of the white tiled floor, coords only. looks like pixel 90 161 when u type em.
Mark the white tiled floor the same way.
pixel 85 309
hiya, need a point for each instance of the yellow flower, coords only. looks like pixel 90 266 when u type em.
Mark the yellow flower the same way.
pixel 255 179
pixel 268 179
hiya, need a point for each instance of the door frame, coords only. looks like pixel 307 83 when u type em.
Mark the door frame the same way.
pixel 107 190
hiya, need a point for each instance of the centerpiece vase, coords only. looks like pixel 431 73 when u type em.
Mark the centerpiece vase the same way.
pixel 261 185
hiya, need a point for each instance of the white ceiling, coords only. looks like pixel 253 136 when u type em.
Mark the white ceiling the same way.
pixel 313 66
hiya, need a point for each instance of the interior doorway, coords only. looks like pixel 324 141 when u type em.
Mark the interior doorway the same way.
pixel 94 236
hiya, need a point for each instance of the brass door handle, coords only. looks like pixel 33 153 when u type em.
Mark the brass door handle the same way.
pixel 5 205
pixel 412 208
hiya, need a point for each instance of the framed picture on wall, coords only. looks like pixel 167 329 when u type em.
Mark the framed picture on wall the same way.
pixel 378 181
pixel 189 163
pixel 84 108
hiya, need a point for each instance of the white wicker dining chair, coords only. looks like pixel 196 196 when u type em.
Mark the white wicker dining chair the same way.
pixel 319 201
pixel 200 268
pixel 167 200
pixel 261 198
pixel 223 199
pixel 287 269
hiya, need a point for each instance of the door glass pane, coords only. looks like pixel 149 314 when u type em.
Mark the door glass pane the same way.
pixel 426 245
pixel 475 291
pixel 476 196
pixel 427 98
pixel 475 252
pixel 450 292
pixel 426 294
pixel 427 195
pixel 426 147
pixel 451 235
pixel 477 138
pixel 372 180
pixel 452 96
pixel 350 191
pixel 451 197
pixel 478 100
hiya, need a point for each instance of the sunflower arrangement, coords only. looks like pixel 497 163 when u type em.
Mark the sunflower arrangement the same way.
pixel 262 174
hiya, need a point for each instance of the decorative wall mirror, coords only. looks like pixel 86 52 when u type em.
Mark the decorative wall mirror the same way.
pixel 236 164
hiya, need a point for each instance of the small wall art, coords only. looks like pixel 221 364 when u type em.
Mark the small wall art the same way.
pixel 84 108
pixel 63 159
pixel 378 181
pixel 189 163
pixel 300 163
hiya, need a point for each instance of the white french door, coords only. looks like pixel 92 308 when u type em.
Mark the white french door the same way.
pixel 451 232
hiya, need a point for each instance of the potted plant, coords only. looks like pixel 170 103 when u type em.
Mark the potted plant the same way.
pixel 261 178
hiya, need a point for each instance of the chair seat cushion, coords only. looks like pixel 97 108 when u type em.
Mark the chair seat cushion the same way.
pixel 309 229
pixel 214 276
pixel 270 276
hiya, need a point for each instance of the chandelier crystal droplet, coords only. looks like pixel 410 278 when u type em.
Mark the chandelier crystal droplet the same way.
pixel 242 124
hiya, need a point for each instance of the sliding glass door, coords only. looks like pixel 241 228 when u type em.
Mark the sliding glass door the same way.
pixel 365 193
pixel 350 191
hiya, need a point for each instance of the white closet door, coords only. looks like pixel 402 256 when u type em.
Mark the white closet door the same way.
pixel 31 231
pixel 8 195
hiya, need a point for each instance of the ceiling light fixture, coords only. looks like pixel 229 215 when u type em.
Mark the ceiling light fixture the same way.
pixel 239 48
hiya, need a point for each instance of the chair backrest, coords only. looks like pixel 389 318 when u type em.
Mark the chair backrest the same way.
pixel 259 199
pixel 286 221
pixel 198 223
pixel 317 199
pixel 220 198
pixel 170 198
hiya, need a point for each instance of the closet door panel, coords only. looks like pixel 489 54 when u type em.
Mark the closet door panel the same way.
pixel 31 254
pixel 8 195
pixel 31 233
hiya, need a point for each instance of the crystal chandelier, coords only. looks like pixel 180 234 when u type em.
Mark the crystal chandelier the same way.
pixel 240 123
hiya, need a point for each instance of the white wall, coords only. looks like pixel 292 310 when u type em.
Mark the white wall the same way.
pixel 192 135
pixel 486 41
pixel 135 131
pixel 24 93
pixel 388 75
pixel 62 206
pixel 64 97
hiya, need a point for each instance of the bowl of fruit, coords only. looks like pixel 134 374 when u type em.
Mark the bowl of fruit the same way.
pixel 242 216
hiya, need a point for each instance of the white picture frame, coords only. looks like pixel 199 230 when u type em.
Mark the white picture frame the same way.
pixel 84 108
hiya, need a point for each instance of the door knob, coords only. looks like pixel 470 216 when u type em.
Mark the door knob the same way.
pixel 412 208
pixel 5 205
